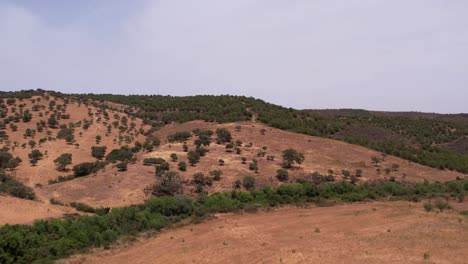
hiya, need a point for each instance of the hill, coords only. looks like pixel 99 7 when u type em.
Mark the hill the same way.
pixel 83 122
pixel 429 139
pixel 110 170
pixel 323 157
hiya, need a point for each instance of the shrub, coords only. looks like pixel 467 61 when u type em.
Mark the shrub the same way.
pixel 169 184
pixel 13 187
pixel 193 157
pixel 253 166
pixel 87 168
pixel 122 166
pixel 223 136
pixel 174 157
pixel 428 207
pixel 282 175
pixel 171 206
pixel 201 151
pixel 162 168
pixel 62 161
pixel 200 179
pixel 182 166
pixel 98 152
pixel 248 182
pixel 153 161
pixel 82 207
pixel 237 184
pixel 346 173
pixel 7 161
pixel 179 136
pixel 358 173
pixel 441 205
pixel 216 174
pixel 124 154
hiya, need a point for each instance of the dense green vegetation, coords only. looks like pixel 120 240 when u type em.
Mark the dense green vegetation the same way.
pixel 428 139
pixel 48 240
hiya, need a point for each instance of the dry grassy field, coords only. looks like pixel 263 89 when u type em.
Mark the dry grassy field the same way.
pixel 392 232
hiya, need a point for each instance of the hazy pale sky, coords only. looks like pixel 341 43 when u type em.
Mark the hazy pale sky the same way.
pixel 395 55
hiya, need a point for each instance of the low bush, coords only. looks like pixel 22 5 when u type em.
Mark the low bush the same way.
pixel 87 168
pixel 9 185
pixel 82 207
pixel 428 207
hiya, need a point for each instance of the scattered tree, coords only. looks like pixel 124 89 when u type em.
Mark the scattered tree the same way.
pixel 182 166
pixel 34 156
pixel 98 152
pixel 62 161
pixel 223 136
pixel 193 157
pixel 170 183
pixel 291 156
pixel 121 166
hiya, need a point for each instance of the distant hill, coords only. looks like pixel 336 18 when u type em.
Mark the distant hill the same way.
pixel 434 140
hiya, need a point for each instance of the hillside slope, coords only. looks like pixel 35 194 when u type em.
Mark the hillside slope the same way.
pixel 112 188
pixel 81 123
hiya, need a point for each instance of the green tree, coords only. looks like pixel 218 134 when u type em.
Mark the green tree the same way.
pixel 182 166
pixel 32 143
pixel 52 121
pixel 193 157
pixel 7 161
pixel 62 161
pixel 98 152
pixel 34 156
pixel 171 183
pixel 291 156
pixel 223 135
pixel 121 166
pixel 27 116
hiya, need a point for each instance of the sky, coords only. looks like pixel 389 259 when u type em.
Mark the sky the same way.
pixel 398 55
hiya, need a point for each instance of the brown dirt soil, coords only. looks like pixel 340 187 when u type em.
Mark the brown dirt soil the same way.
pixel 19 211
pixel 391 232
